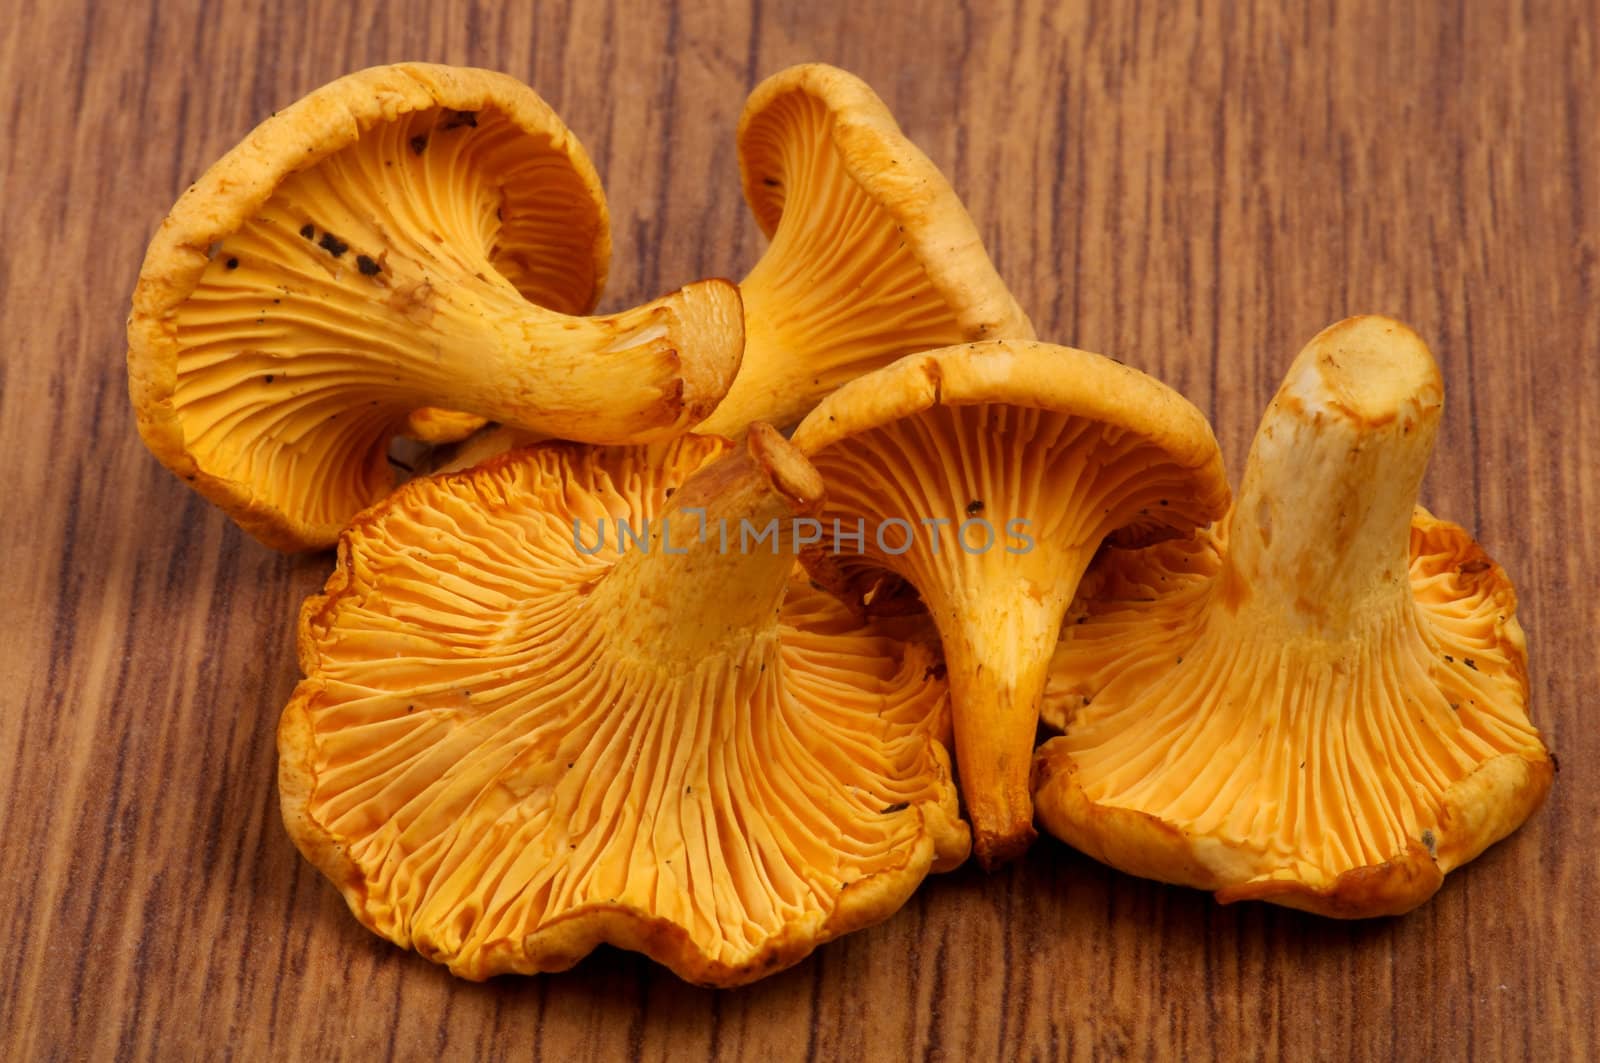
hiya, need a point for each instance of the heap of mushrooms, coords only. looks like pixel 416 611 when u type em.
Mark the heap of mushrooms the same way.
pixel 632 668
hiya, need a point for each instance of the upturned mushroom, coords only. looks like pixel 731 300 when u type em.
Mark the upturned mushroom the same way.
pixel 524 732
pixel 405 237
pixel 985 476
pixel 872 254
pixel 1323 705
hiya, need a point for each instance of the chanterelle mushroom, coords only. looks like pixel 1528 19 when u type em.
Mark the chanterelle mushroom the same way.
pixel 1325 704
pixel 511 747
pixel 986 476
pixel 872 254
pixel 407 236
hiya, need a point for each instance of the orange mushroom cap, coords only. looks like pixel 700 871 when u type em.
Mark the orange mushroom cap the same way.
pixel 986 476
pixel 1324 704
pixel 872 254
pixel 518 739
pixel 407 236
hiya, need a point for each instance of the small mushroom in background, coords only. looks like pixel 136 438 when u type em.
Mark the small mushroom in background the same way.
pixel 872 255
pixel 523 733
pixel 429 424
pixel 1324 704
pixel 985 476
pixel 406 237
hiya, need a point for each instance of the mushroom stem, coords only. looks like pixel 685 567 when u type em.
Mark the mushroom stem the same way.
pixel 714 566
pixel 1321 530
pixel 997 651
pixel 662 366
pixel 761 384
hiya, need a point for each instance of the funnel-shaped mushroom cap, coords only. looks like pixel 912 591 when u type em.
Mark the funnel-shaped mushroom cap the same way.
pixel 1324 705
pixel 404 237
pixel 872 255
pixel 517 741
pixel 986 476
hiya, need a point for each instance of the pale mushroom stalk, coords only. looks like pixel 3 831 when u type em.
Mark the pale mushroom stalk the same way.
pixel 432 425
pixel 702 561
pixel 997 649
pixel 415 333
pixel 1320 533
pixel 1322 704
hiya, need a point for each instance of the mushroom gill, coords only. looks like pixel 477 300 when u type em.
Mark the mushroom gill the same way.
pixel 985 477
pixel 1324 704
pixel 524 733
pixel 872 255
pixel 403 238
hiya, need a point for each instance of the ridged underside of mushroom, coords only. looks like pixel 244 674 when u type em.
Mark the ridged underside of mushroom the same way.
pixel 839 292
pixel 1025 497
pixel 334 311
pixel 1342 777
pixel 872 255
pixel 1116 600
pixel 950 471
pixel 495 784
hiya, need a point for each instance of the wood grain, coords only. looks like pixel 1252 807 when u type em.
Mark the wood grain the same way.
pixel 1195 190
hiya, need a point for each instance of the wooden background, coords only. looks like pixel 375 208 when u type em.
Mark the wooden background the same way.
pixel 1194 191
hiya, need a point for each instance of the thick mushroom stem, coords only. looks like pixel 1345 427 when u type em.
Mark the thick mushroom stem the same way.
pixel 712 569
pixel 1320 534
pixel 661 366
pixel 997 651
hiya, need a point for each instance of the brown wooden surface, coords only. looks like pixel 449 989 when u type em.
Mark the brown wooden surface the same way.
pixel 1194 192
